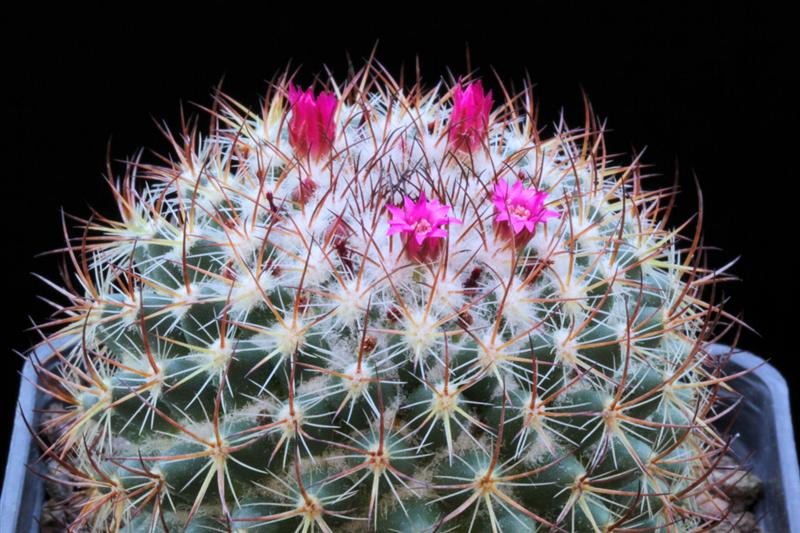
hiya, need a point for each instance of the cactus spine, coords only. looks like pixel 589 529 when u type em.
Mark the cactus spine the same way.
pixel 384 308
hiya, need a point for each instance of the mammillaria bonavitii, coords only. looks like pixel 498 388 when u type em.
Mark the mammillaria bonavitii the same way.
pixel 379 307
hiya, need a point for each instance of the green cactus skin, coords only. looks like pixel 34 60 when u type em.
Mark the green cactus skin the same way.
pixel 246 349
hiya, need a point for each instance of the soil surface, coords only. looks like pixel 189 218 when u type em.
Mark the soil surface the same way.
pixel 743 490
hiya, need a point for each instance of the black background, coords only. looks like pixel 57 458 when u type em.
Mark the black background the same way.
pixel 709 88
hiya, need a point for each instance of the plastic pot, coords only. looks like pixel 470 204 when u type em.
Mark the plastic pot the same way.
pixel 762 425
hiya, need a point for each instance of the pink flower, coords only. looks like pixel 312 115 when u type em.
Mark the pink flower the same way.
pixel 304 191
pixel 518 210
pixel 469 119
pixel 311 128
pixel 419 225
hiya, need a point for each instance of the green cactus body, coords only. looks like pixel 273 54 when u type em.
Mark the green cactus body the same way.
pixel 258 344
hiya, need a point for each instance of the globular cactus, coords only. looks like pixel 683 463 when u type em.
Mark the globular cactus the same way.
pixel 375 307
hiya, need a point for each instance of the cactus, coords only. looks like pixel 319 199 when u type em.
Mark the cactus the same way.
pixel 374 307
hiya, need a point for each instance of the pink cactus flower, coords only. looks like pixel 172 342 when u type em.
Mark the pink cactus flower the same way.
pixel 311 127
pixel 469 119
pixel 518 210
pixel 420 226
pixel 304 191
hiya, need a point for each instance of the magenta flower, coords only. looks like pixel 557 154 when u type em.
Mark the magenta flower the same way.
pixel 311 128
pixel 420 226
pixel 518 210
pixel 469 119
pixel 304 191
